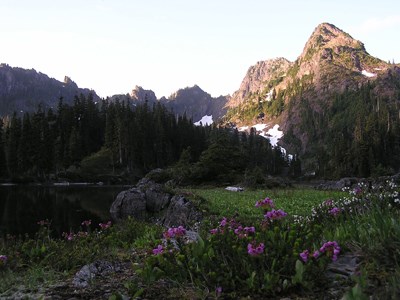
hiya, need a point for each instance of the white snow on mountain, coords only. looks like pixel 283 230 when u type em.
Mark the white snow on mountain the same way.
pixel 273 134
pixel 205 121
pixel 368 74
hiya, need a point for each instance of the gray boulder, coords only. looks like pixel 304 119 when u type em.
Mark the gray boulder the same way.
pixel 149 199
pixel 181 212
pixel 129 203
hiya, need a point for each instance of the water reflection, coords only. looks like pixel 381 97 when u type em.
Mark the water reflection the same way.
pixel 21 207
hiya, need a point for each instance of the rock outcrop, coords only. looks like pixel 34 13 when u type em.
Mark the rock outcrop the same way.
pixel 148 199
pixel 257 76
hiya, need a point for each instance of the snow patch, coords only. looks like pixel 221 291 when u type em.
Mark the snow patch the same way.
pixel 368 74
pixel 269 95
pixel 260 127
pixel 274 135
pixel 205 121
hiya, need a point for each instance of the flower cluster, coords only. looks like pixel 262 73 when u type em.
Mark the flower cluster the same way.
pixel 158 250
pixel 265 204
pixel 275 214
pixel 244 232
pixel 305 255
pixel 68 236
pixel 254 250
pixel 331 249
pixel 334 211
pixel 174 232
pixel 86 223
pixel 104 226
pixel 3 259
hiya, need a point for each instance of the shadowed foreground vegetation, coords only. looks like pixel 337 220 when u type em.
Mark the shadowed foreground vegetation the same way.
pixel 248 245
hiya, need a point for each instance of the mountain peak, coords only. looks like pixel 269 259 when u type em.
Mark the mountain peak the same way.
pixel 328 36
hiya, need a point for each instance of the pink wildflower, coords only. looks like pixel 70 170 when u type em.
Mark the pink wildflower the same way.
pixel 266 204
pixel 304 255
pixel 214 231
pixel 158 250
pixel 331 248
pixel 175 232
pixel 86 223
pixel 334 211
pixel 104 226
pixel 275 214
pixel 3 259
pixel 223 222
pixel 254 251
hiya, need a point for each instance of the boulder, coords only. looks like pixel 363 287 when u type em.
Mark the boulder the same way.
pixel 181 212
pixel 129 203
pixel 148 199
pixel 87 273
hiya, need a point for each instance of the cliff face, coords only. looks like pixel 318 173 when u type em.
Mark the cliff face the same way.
pixel 23 90
pixel 258 76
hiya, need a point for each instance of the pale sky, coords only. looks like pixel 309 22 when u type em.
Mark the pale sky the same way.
pixel 113 45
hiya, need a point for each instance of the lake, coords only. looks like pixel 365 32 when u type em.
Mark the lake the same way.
pixel 22 206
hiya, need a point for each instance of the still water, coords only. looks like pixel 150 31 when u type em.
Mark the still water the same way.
pixel 21 207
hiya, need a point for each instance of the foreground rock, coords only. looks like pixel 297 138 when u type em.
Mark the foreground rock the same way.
pixel 150 200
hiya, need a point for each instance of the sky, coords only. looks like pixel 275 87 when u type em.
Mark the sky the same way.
pixel 111 46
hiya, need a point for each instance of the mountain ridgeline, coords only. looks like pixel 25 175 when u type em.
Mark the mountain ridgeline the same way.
pixel 337 105
pixel 190 101
pixel 338 108
pixel 24 90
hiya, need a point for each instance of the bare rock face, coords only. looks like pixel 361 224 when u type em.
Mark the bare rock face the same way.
pixel 142 95
pixel 257 76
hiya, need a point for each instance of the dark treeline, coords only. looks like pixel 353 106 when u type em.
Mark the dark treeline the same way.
pixel 115 138
pixel 358 135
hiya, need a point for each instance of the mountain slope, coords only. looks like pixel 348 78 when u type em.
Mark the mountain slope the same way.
pixel 335 93
pixel 23 90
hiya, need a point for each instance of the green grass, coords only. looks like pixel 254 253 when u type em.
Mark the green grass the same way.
pixel 296 201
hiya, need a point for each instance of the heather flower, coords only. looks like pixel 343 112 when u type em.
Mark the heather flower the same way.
pixel 334 211
pixel 3 259
pixel 175 232
pixel 86 223
pixel 218 291
pixel 104 226
pixel 357 190
pixel 254 251
pixel 158 250
pixel 223 222
pixel 316 254
pixel 266 204
pixel 331 248
pixel 248 230
pixel 68 236
pixel 275 214
pixel 304 255
pixel 214 231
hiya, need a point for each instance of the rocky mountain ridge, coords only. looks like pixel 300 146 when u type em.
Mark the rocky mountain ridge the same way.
pixel 330 93
pixel 24 90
